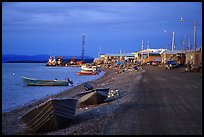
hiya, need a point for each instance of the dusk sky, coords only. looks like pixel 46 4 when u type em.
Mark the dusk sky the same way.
pixel 32 28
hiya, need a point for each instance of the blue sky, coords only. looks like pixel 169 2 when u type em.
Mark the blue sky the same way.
pixel 32 28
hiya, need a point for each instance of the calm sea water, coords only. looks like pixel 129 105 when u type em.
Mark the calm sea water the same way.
pixel 16 94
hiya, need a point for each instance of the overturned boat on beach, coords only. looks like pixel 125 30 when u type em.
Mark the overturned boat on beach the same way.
pixel 92 97
pixel 37 82
pixel 50 115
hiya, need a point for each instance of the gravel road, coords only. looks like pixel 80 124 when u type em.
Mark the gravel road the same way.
pixel 165 102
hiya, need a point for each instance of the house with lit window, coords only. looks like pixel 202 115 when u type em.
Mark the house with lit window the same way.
pixel 148 55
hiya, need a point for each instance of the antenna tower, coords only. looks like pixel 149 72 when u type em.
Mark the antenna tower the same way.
pixel 83 44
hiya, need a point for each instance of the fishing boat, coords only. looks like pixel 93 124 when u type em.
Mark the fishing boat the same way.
pixel 36 82
pixel 50 115
pixel 90 68
pixel 51 61
pixel 93 97
pixel 87 72
pixel 86 67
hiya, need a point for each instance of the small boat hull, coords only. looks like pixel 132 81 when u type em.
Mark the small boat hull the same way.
pixel 35 82
pixel 50 115
pixel 93 97
pixel 86 73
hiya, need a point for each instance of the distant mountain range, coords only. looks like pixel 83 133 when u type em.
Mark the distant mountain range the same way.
pixel 36 58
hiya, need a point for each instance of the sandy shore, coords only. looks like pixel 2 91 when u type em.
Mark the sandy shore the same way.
pixel 89 120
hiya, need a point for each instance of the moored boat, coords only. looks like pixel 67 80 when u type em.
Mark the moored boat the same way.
pixel 86 72
pixel 50 115
pixel 52 61
pixel 90 68
pixel 86 67
pixel 93 97
pixel 36 82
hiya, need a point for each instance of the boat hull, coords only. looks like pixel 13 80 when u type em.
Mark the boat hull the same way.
pixel 93 97
pixel 35 82
pixel 86 73
pixel 50 115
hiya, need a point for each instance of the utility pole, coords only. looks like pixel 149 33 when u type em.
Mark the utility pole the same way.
pixel 194 29
pixel 83 45
pixel 183 49
pixel 99 53
pixel 142 51
pixel 148 50
pixel 173 45
pixel 120 55
pixel 195 57
pixel 189 42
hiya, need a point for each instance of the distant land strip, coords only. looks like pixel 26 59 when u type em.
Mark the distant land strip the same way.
pixel 37 61
pixel 39 58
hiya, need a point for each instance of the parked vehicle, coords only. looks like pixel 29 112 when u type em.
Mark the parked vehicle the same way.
pixel 171 64
pixel 148 63
pixel 155 63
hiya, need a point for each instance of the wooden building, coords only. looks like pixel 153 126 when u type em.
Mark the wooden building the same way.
pixel 148 55
pixel 190 56
pixel 177 55
pixel 114 58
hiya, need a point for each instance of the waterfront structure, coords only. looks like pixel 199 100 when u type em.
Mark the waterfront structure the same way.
pixel 98 61
pixel 178 55
pixel 190 56
pixel 114 58
pixel 148 55
pixel 59 60
pixel 51 61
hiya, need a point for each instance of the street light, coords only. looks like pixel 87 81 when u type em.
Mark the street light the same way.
pixel 194 29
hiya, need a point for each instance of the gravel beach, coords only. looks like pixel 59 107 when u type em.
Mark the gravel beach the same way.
pixel 89 120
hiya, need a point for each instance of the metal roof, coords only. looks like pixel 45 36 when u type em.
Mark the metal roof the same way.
pixel 123 54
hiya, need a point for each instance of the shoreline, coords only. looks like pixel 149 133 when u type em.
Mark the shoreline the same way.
pixel 12 125
pixel 46 97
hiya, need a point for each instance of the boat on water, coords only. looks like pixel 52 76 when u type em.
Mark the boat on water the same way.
pixel 37 82
pixel 86 67
pixel 51 61
pixel 87 72
pixel 90 68
pixel 92 97
pixel 50 115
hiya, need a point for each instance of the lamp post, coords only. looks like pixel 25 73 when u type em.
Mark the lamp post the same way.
pixel 194 38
